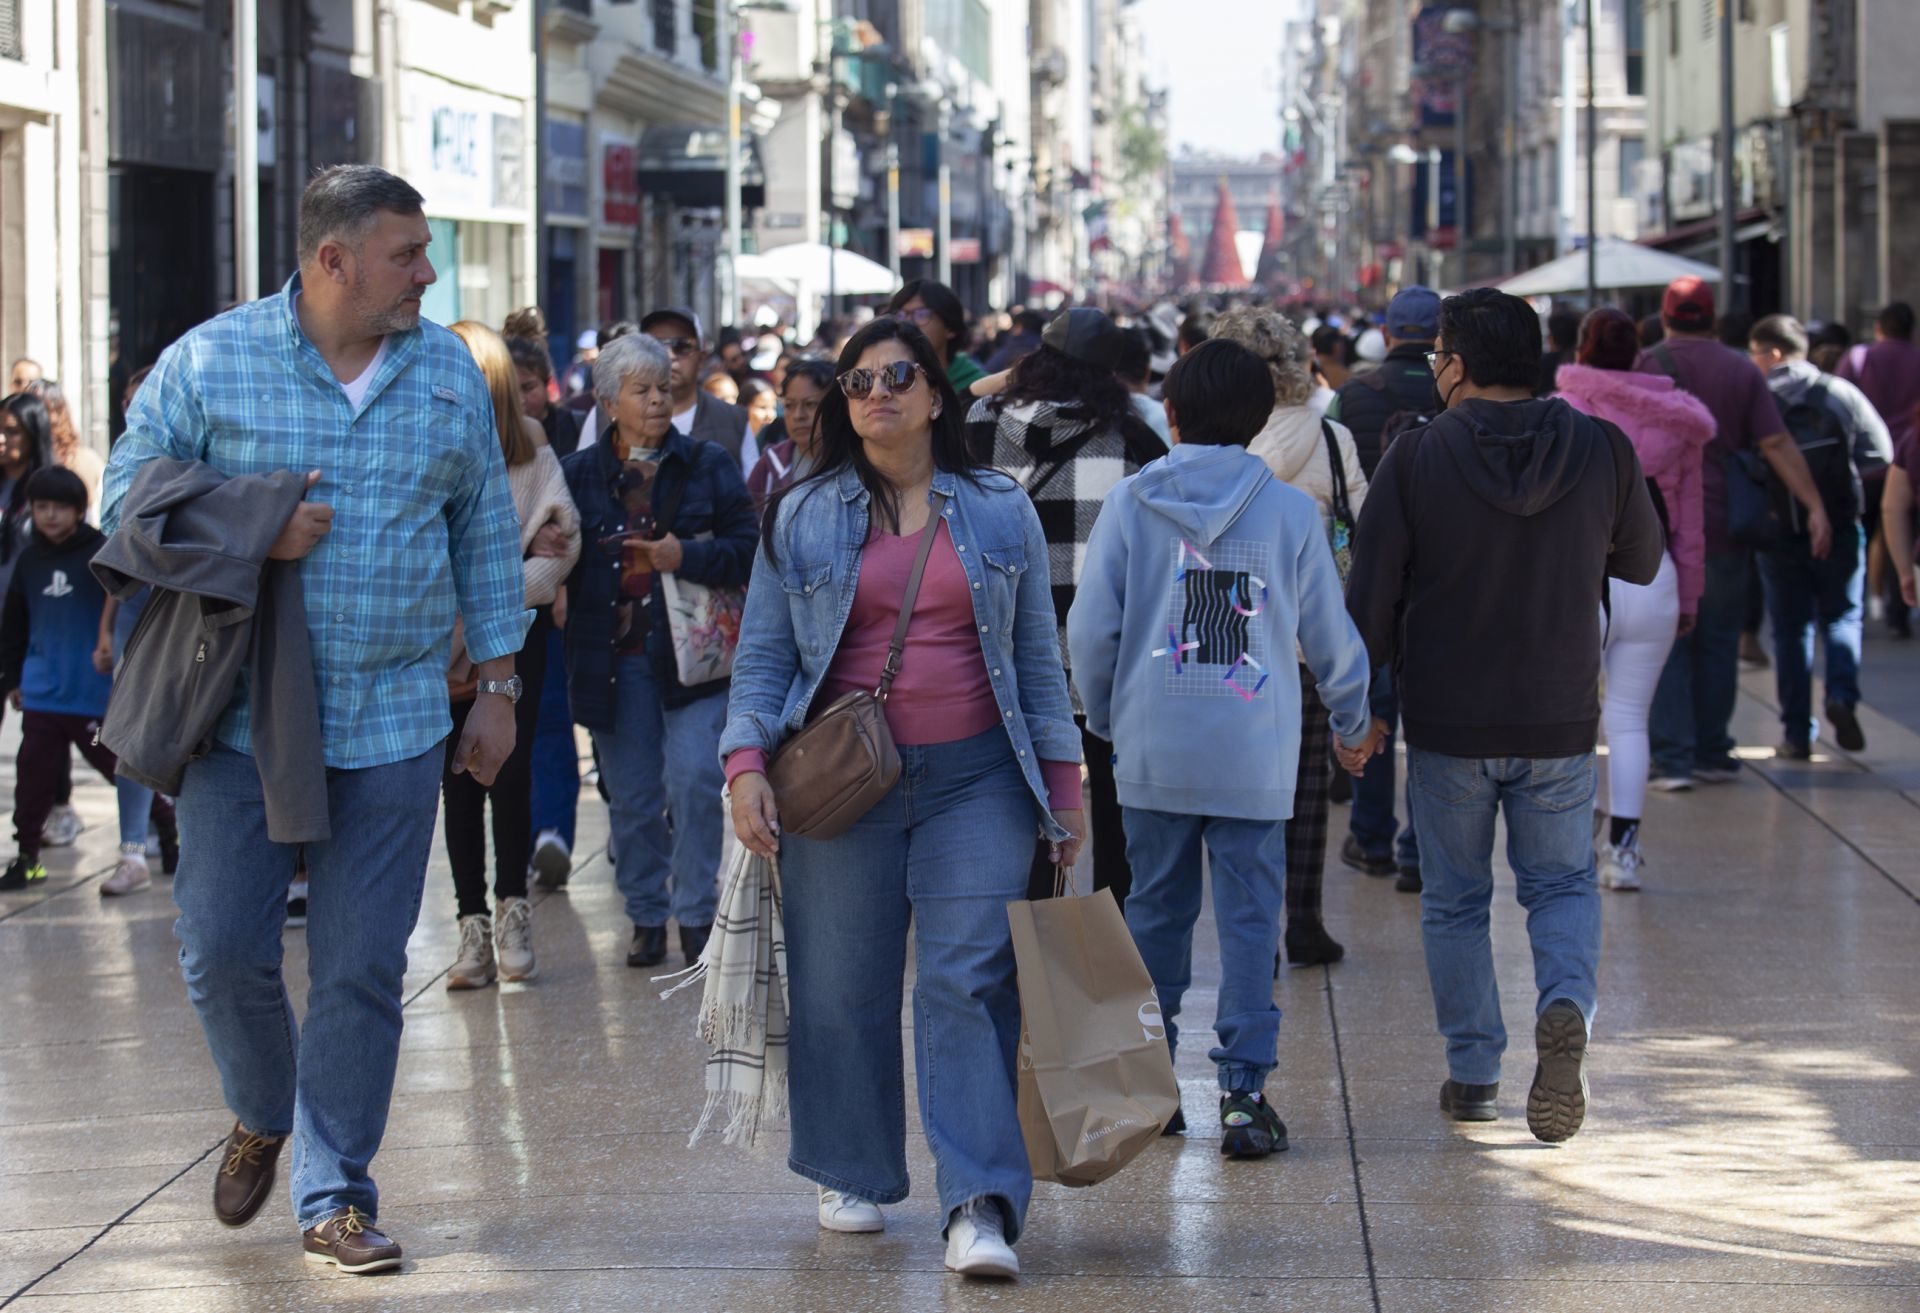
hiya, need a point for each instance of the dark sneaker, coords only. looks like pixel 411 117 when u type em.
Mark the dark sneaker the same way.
pixel 1309 945
pixel 693 941
pixel 1362 861
pixel 1557 1103
pixel 1470 1103
pixel 245 1178
pixel 1177 1124
pixel 552 860
pixel 22 874
pixel 1791 751
pixel 1846 727
pixel 649 946
pixel 1249 1127
pixel 169 847
pixel 1722 772
pixel 349 1242
pixel 1408 881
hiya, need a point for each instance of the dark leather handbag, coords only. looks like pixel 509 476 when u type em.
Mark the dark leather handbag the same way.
pixel 835 769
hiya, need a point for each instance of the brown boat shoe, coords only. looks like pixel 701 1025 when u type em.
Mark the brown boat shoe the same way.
pixel 245 1178
pixel 349 1242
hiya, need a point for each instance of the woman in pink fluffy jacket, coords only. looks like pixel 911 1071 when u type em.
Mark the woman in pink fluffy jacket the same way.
pixel 1668 429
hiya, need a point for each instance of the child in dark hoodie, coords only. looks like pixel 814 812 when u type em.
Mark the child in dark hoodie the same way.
pixel 48 633
pixel 1202 575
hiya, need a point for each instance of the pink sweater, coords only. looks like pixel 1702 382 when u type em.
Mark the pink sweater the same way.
pixel 943 693
pixel 1668 428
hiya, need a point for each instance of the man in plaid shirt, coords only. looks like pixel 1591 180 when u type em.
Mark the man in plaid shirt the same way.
pixel 408 521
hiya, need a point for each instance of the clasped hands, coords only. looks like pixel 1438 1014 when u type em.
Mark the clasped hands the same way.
pixel 1354 760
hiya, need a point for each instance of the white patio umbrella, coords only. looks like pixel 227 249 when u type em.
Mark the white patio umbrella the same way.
pixel 813 265
pixel 1618 264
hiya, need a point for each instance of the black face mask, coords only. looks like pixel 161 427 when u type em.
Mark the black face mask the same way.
pixel 1446 401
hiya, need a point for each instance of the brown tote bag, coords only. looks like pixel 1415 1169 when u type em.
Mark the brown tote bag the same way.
pixel 1096 1080
pixel 842 762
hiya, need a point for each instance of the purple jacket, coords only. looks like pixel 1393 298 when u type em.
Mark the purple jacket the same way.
pixel 1668 429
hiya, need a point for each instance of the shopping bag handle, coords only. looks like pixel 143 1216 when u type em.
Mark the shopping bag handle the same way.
pixel 1063 881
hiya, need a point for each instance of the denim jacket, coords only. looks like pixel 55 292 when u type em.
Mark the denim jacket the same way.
pixel 797 610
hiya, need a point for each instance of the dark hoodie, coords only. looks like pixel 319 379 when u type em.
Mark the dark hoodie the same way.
pixel 1479 567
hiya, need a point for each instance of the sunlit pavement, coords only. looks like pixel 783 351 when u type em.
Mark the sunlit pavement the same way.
pixel 1753 1144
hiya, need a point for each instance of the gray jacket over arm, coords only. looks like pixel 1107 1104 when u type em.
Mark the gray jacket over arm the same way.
pixel 219 607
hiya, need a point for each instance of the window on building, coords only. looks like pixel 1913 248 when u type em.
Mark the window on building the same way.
pixel 9 29
pixel 666 26
pixel 706 31
pixel 1632 151
pixel 1633 41
pixel 1673 29
pixel 1709 18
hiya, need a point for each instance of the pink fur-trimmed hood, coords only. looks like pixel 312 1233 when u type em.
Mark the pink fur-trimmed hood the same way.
pixel 1664 423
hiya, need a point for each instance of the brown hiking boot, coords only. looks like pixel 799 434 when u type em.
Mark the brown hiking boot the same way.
pixel 349 1242
pixel 245 1178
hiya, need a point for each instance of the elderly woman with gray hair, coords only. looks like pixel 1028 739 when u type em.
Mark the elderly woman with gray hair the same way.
pixel 652 501
pixel 1317 456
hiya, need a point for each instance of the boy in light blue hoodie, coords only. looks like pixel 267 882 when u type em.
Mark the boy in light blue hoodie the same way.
pixel 1204 575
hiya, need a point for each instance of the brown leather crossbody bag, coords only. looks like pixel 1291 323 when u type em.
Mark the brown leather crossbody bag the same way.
pixel 841 763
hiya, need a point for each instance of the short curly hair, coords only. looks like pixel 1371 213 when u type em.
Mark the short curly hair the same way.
pixel 1278 341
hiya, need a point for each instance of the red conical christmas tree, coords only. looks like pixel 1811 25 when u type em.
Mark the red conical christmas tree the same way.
pixel 1222 266
pixel 1268 271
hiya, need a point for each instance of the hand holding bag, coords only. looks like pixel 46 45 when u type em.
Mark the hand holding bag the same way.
pixel 1096 1083
pixel 835 769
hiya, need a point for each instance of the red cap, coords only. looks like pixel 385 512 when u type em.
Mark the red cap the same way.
pixel 1688 303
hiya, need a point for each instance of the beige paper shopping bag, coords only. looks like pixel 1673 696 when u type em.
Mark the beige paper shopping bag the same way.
pixel 1096 1080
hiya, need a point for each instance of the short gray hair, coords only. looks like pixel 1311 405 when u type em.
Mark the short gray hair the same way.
pixel 344 202
pixel 1274 338
pixel 624 358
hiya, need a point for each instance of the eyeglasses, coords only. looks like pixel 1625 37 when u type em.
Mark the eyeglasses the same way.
pixel 680 346
pixel 898 376
pixel 1433 360
pixel 919 315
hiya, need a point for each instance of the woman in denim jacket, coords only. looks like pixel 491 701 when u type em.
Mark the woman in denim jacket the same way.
pixel 990 756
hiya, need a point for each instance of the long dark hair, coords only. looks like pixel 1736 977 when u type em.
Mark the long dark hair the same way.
pixel 31 412
pixel 1082 391
pixel 837 446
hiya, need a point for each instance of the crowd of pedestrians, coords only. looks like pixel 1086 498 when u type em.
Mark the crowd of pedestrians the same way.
pixel 1168 585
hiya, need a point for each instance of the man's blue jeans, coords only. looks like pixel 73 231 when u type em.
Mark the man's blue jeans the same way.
pixel 327 1082
pixel 1374 793
pixel 1805 598
pixel 942 854
pixel 556 758
pixel 1548 804
pixel 1249 881
pixel 1694 704
pixel 663 784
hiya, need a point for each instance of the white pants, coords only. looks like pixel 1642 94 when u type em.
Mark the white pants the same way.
pixel 1638 639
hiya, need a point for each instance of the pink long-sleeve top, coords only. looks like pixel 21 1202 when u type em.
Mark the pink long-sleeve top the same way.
pixel 1669 429
pixel 943 693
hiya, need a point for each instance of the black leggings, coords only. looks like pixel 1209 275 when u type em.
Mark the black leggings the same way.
pixel 511 793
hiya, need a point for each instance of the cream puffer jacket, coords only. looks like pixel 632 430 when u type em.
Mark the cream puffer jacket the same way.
pixel 1295 449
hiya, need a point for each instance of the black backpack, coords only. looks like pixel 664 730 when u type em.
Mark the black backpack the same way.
pixel 1400 421
pixel 1817 429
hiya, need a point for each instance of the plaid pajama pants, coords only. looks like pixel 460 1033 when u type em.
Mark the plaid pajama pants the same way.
pixel 1307 831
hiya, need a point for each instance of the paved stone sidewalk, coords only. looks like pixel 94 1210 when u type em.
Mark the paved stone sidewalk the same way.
pixel 1753 1143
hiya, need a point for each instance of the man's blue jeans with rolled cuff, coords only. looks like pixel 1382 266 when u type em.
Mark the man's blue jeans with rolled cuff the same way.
pixel 1693 704
pixel 1249 883
pixel 940 856
pixel 1808 599
pixel 662 767
pixel 1548 803
pixel 326 1082
pixel 556 757
pixel 1374 795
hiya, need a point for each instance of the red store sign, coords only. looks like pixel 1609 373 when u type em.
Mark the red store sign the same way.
pixel 619 185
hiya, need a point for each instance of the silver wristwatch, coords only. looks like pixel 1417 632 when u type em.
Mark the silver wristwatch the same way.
pixel 508 688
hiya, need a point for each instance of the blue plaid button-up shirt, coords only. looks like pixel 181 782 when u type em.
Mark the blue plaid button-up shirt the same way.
pixel 424 523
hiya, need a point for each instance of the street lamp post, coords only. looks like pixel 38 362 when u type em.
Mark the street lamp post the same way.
pixel 728 24
pixel 945 219
pixel 1593 176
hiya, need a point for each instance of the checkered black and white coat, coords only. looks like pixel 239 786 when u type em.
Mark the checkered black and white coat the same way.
pixel 1028 440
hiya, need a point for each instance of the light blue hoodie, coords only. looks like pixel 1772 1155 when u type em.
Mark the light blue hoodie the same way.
pixel 1202 574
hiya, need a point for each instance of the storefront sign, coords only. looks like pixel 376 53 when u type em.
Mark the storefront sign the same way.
pixel 619 183
pixel 914 243
pixel 565 164
pixel 466 151
pixel 966 250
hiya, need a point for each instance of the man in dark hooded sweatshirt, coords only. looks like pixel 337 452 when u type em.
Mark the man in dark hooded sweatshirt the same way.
pixel 1479 570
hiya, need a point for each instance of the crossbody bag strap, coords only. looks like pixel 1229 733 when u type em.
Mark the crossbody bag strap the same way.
pixel 1337 466
pixel 898 646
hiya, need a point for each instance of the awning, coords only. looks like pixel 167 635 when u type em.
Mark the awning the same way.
pixel 1618 265
pixel 687 164
pixel 810 267
pixel 1747 225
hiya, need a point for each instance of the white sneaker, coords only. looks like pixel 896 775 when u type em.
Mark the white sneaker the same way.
pixel 474 967
pixel 842 1212
pixel 62 828
pixel 129 877
pixel 1620 868
pixel 297 904
pixel 976 1245
pixel 552 860
pixel 1672 783
pixel 513 938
